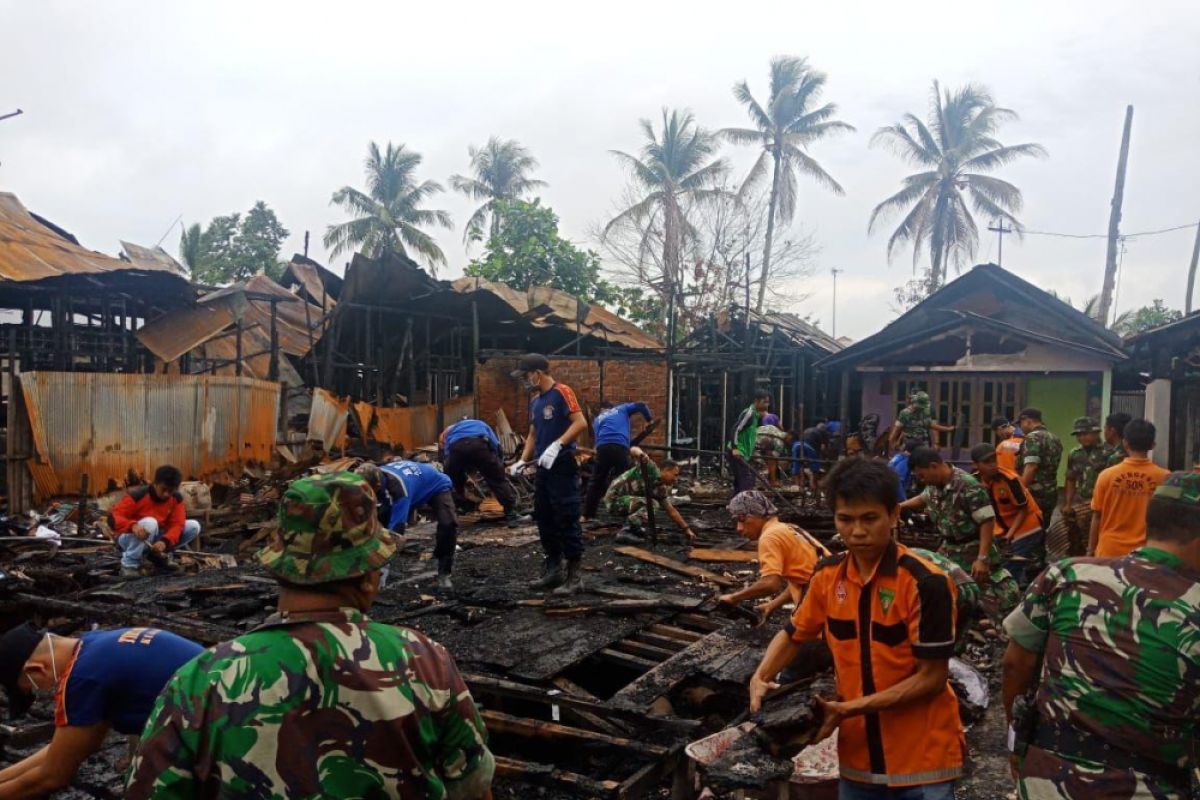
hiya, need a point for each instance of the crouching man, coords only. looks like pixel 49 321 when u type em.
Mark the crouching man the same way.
pixel 626 497
pixel 151 521
pixel 99 680
pixel 319 701
pixel 404 486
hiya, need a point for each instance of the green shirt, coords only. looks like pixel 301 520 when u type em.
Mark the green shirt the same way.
pixel 745 432
pixel 959 507
pixel 915 422
pixel 630 484
pixel 1084 465
pixel 317 705
pixel 1044 449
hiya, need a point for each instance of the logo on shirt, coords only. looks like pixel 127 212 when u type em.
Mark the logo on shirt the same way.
pixel 886 596
pixel 839 592
pixel 547 412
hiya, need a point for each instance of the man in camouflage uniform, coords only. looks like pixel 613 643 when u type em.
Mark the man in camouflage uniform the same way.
pixel 1041 453
pixel 969 603
pixel 962 511
pixel 1114 437
pixel 626 497
pixel 320 701
pixel 915 422
pixel 1119 644
pixel 1068 531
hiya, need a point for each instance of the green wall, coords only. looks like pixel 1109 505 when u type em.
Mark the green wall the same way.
pixel 1061 400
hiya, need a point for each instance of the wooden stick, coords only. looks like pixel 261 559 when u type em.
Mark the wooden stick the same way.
pixel 737 556
pixel 673 565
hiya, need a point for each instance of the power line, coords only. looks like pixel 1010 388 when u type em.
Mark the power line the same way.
pixel 1105 235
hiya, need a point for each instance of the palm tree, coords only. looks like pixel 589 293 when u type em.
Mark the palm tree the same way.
pixel 191 249
pixel 674 168
pixel 388 215
pixel 954 147
pixel 784 130
pixel 501 172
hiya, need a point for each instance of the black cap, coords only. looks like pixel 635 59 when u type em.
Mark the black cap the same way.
pixel 1000 422
pixel 16 646
pixel 983 452
pixel 529 362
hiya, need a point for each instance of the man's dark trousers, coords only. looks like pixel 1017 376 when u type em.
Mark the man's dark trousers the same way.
pixel 477 453
pixel 446 536
pixel 743 474
pixel 611 460
pixel 556 509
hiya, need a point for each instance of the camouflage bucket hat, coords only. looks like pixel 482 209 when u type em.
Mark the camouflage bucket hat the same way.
pixel 920 399
pixel 327 531
pixel 1085 425
pixel 1182 487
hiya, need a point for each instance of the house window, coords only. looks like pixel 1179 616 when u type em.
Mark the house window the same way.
pixel 970 403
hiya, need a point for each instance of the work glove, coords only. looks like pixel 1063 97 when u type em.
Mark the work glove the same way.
pixel 516 468
pixel 549 454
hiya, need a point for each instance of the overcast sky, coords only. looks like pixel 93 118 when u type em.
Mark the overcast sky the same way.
pixel 137 113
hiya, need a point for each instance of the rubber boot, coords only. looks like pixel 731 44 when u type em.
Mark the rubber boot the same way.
pixel 574 582
pixel 444 584
pixel 514 520
pixel 552 576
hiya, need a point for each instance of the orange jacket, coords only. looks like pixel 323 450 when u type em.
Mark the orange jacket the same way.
pixel 141 503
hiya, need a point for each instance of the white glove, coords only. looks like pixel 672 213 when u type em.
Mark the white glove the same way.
pixel 549 454
pixel 516 468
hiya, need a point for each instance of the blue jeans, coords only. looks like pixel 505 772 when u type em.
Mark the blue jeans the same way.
pixel 133 548
pixel 852 790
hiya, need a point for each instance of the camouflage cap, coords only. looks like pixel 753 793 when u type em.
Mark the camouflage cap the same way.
pixel 1182 487
pixel 1085 425
pixel 328 530
pixel 920 398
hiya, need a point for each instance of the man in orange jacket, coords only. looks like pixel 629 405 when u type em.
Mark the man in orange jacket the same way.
pixel 150 521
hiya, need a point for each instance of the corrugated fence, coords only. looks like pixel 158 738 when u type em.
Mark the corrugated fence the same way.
pixel 107 425
pixel 409 428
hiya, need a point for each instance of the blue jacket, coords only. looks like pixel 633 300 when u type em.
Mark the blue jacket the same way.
pixel 900 466
pixel 420 482
pixel 464 429
pixel 612 424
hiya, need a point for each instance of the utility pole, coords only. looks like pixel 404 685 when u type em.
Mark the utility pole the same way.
pixel 1114 224
pixel 835 272
pixel 1187 301
pixel 1000 230
pixel 16 113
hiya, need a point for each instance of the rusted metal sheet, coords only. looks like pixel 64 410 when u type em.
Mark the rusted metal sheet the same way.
pixel 112 426
pixel 327 419
pixel 151 258
pixel 172 335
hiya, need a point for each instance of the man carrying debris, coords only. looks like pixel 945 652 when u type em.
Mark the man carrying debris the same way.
pixel 1018 518
pixel 612 440
pixel 1111 648
pixel 319 701
pixel 1068 532
pixel 1122 494
pixel 402 487
pixel 556 421
pixel 471 444
pixel 745 436
pixel 787 555
pixel 1114 437
pixel 99 680
pixel 1009 439
pixel 151 521
pixel 916 422
pixel 1041 453
pixel 626 497
pixel 888 617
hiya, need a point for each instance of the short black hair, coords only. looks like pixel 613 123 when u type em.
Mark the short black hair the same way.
pixel 168 476
pixel 1031 413
pixel 605 404
pixel 1172 520
pixel 983 452
pixel 1140 433
pixel 761 393
pixel 924 457
pixel 1000 422
pixel 1117 421
pixel 860 478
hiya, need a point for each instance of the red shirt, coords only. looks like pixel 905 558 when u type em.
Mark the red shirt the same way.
pixel 141 503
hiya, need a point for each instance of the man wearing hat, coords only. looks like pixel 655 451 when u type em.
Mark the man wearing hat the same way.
pixel 1008 443
pixel 916 422
pixel 555 422
pixel 1069 526
pixel 319 701
pixel 1110 647
pixel 99 680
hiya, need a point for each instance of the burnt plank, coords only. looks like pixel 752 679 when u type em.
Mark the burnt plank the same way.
pixel 626 660
pixel 539 729
pixel 673 565
pixel 545 774
pixel 716 648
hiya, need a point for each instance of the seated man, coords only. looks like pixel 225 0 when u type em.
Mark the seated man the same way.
pixel 787 555
pixel 99 680
pixel 150 521
pixel 401 487
pixel 626 497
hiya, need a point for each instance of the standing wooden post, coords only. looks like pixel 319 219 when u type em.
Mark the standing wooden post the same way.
pixel 238 368
pixel 1187 302
pixel 1114 224
pixel 273 369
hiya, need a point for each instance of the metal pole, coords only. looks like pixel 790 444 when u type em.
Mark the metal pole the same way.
pixel 699 418
pixel 835 272
pixel 724 414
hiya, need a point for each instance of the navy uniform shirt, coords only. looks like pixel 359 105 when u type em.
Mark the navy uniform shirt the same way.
pixel 612 424
pixel 551 413
pixel 467 428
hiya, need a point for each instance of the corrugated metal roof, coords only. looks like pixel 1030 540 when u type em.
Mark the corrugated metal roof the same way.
pixel 153 258
pixel 172 335
pixel 318 283
pixel 108 426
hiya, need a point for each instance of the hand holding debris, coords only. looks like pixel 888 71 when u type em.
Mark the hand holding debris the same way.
pixel 159 547
pixel 981 571
pixel 638 453
pixel 549 454
pixel 517 467
pixel 833 712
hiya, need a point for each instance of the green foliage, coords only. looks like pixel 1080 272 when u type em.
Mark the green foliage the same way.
pixel 526 250
pixel 233 248
pixel 1145 318
pixel 499 171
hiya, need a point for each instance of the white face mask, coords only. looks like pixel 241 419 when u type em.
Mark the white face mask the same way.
pixel 47 692
pixel 530 383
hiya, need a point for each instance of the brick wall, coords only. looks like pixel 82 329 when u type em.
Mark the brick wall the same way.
pixel 624 381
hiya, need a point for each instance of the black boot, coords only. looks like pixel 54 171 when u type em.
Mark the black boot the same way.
pixel 514 520
pixel 574 581
pixel 444 583
pixel 552 575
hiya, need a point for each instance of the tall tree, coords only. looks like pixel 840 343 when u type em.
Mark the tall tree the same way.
pixel 791 122
pixel 954 146
pixel 234 247
pixel 499 171
pixel 676 165
pixel 390 214
pixel 1114 222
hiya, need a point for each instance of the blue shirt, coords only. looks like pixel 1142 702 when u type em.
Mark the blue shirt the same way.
pixel 421 482
pixel 551 413
pixel 117 674
pixel 467 428
pixel 899 465
pixel 612 424
pixel 804 454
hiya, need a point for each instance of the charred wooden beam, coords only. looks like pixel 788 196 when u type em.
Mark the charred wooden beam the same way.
pixel 580 785
pixel 539 729
pixel 626 660
pixel 203 632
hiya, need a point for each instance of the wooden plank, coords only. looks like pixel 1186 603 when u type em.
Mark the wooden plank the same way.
pixel 658 640
pixel 734 556
pixel 643 650
pixel 697 621
pixel 626 660
pixel 673 565
pixel 675 633
pixel 578 785
pixel 539 729
pixel 642 692
pixel 587 717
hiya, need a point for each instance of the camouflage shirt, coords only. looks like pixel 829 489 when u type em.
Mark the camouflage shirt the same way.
pixel 1043 448
pixel 1084 465
pixel 1115 453
pixel 959 507
pixel 629 484
pixel 914 423
pixel 316 705
pixel 770 442
pixel 1121 639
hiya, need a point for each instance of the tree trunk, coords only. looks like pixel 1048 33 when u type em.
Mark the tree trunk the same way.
pixel 1114 224
pixel 1187 302
pixel 671 247
pixel 766 265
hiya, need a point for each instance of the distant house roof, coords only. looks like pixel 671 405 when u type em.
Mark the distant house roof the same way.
pixel 998 300
pixel 152 258
pixel 319 284
pixel 799 330
pixel 1188 324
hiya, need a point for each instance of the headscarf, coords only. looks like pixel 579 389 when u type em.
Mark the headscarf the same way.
pixel 752 504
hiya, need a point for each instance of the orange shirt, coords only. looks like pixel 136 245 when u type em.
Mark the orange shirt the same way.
pixel 1006 453
pixel 1009 496
pixel 1122 495
pixel 790 553
pixel 877 627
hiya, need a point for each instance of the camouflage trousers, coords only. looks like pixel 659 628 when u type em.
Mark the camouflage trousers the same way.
pixel 970 609
pixel 1000 594
pixel 1048 776
pixel 633 508
pixel 1068 539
